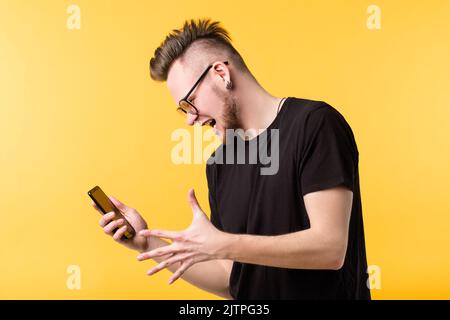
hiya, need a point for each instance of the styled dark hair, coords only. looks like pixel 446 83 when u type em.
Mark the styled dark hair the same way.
pixel 211 35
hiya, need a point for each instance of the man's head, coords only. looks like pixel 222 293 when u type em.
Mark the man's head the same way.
pixel 182 58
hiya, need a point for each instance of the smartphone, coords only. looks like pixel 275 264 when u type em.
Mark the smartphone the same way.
pixel 105 205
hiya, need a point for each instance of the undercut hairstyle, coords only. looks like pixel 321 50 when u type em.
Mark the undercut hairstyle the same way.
pixel 205 35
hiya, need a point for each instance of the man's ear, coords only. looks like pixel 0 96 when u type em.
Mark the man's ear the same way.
pixel 221 69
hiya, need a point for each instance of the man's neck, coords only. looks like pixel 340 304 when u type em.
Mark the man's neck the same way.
pixel 257 108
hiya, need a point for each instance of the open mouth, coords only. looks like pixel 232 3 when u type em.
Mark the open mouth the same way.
pixel 210 122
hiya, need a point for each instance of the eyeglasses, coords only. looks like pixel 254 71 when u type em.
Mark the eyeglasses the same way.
pixel 185 106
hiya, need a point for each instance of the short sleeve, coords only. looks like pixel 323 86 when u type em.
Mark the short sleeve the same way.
pixel 211 178
pixel 329 155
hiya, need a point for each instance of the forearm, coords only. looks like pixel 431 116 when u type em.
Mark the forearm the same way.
pixel 211 276
pixel 307 249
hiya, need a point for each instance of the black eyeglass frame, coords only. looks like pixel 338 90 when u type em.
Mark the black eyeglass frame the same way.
pixel 185 99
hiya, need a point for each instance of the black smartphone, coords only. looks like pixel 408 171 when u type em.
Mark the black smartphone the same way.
pixel 105 205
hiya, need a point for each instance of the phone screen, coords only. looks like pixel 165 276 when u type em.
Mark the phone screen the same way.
pixel 101 200
pixel 104 204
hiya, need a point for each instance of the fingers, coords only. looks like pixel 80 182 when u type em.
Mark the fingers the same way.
pixel 119 233
pixel 173 235
pixel 95 206
pixel 161 251
pixel 112 226
pixel 177 274
pixel 106 218
pixel 169 262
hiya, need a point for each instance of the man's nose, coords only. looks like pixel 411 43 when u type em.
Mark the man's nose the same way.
pixel 190 119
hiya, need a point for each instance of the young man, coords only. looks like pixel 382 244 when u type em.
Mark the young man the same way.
pixel 295 233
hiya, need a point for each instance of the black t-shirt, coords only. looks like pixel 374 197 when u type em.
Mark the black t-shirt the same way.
pixel 317 150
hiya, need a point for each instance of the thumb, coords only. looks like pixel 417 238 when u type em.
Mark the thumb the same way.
pixel 119 205
pixel 194 203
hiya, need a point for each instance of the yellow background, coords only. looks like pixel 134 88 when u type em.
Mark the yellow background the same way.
pixel 78 108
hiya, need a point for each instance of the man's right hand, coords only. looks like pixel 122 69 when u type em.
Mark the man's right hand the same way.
pixel 133 217
pixel 212 276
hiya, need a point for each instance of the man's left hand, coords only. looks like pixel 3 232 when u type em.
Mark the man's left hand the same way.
pixel 201 241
